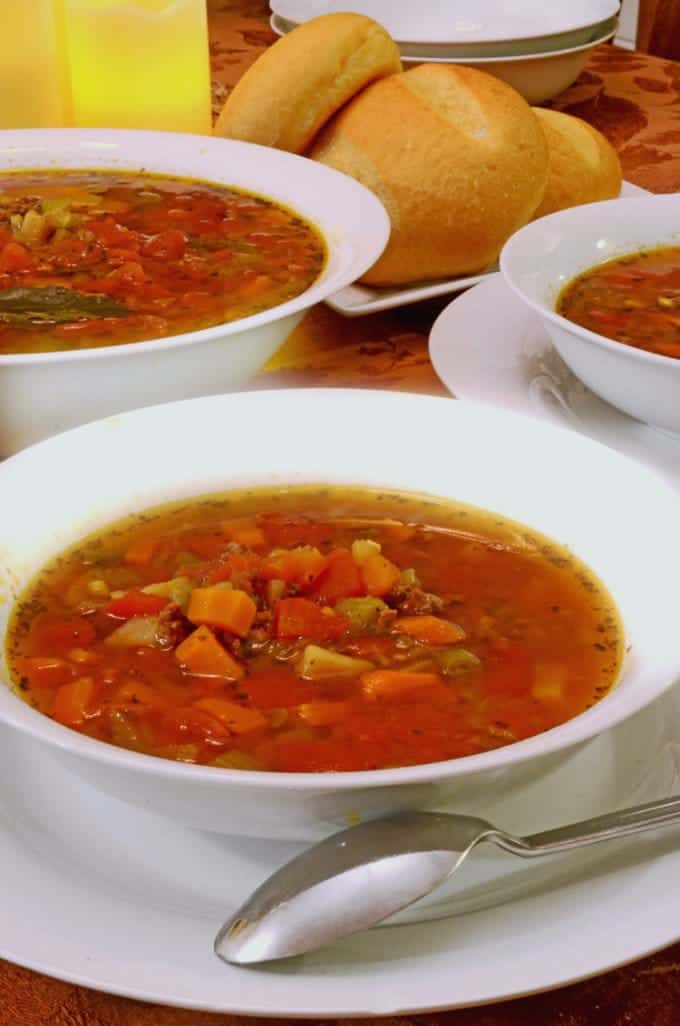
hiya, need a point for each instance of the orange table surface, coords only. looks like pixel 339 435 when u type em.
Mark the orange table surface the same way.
pixel 635 100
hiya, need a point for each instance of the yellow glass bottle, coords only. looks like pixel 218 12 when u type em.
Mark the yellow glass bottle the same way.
pixel 30 83
pixel 139 64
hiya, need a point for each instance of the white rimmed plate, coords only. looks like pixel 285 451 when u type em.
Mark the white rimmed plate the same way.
pixel 112 897
pixel 490 347
pixel 358 300
pixel 459 23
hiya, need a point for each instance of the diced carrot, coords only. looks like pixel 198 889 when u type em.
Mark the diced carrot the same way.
pixel 231 610
pixel 301 618
pixel 142 552
pixel 202 654
pixel 341 579
pixel 379 575
pixel 302 566
pixel 46 671
pixel 71 701
pixel 392 685
pixel 431 630
pixel 238 718
pixel 244 532
pixel 322 713
pixel 136 603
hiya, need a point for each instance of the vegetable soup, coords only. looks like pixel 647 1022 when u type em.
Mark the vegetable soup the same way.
pixel 634 300
pixel 92 259
pixel 314 629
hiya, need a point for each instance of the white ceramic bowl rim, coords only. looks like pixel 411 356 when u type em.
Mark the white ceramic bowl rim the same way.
pixel 604 714
pixel 564 18
pixel 41 158
pixel 515 58
pixel 536 232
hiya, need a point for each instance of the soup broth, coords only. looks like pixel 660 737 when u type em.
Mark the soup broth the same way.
pixel 91 259
pixel 314 629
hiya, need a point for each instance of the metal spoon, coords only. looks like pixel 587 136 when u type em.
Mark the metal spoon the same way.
pixel 358 877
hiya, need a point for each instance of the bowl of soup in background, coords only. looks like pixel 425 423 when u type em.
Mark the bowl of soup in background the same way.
pixel 541 259
pixel 550 481
pixel 42 393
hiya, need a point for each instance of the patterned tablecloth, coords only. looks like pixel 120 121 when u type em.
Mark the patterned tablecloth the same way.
pixel 635 100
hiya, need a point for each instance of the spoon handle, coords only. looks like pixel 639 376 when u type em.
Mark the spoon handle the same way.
pixel 592 831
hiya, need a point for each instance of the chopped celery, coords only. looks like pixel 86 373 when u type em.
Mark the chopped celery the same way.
pixel 318 663
pixel 363 548
pixel 237 760
pixel 409 578
pixel 457 660
pixel 361 612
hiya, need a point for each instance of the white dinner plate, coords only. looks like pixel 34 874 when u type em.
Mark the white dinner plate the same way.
pixel 488 346
pixel 459 22
pixel 358 300
pixel 117 898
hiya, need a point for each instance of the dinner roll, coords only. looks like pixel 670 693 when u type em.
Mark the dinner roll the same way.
pixel 298 83
pixel 457 157
pixel 583 166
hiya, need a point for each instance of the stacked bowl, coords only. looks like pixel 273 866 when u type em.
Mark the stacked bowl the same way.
pixel 538 48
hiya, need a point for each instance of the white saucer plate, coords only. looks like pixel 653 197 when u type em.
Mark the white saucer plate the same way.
pixel 359 300
pixel 116 898
pixel 489 347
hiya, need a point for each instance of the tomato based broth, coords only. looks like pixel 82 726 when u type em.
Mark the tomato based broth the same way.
pixel 90 259
pixel 314 629
pixel 634 300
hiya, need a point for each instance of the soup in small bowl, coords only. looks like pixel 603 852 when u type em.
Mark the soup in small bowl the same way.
pixel 603 278
pixel 141 267
pixel 302 626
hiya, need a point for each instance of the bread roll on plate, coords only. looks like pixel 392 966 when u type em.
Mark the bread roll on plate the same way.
pixel 457 157
pixel 583 166
pixel 296 85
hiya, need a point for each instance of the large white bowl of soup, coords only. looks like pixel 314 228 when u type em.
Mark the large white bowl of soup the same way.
pixel 278 613
pixel 606 283
pixel 142 267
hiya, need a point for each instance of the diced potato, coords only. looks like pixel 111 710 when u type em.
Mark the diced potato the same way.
pixel 318 663
pixel 361 612
pixel 455 661
pixel 138 631
pixel 177 590
pixel 549 682
pixel 98 587
pixel 34 228
pixel 362 548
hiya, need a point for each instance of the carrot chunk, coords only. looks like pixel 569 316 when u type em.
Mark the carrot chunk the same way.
pixel 136 603
pixel 431 630
pixel 340 579
pixel 231 610
pixel 238 718
pixel 71 701
pixel 391 685
pixel 300 618
pixel 379 575
pixel 324 713
pixel 202 654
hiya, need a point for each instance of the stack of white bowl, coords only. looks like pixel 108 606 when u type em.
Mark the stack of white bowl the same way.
pixel 538 47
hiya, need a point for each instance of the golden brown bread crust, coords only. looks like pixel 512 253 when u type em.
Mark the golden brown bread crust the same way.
pixel 583 166
pixel 296 85
pixel 457 157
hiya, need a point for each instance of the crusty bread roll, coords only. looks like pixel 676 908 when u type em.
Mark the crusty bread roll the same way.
pixel 296 85
pixel 583 166
pixel 457 157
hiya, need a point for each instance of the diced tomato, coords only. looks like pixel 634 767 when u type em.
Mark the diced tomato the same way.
pixel 56 636
pixel 113 234
pixel 15 257
pixel 341 579
pixel 300 618
pixel 71 254
pixel 167 245
pixel 135 603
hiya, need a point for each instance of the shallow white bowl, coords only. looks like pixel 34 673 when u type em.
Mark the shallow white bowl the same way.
pixel 542 257
pixel 548 479
pixel 457 23
pixel 45 393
